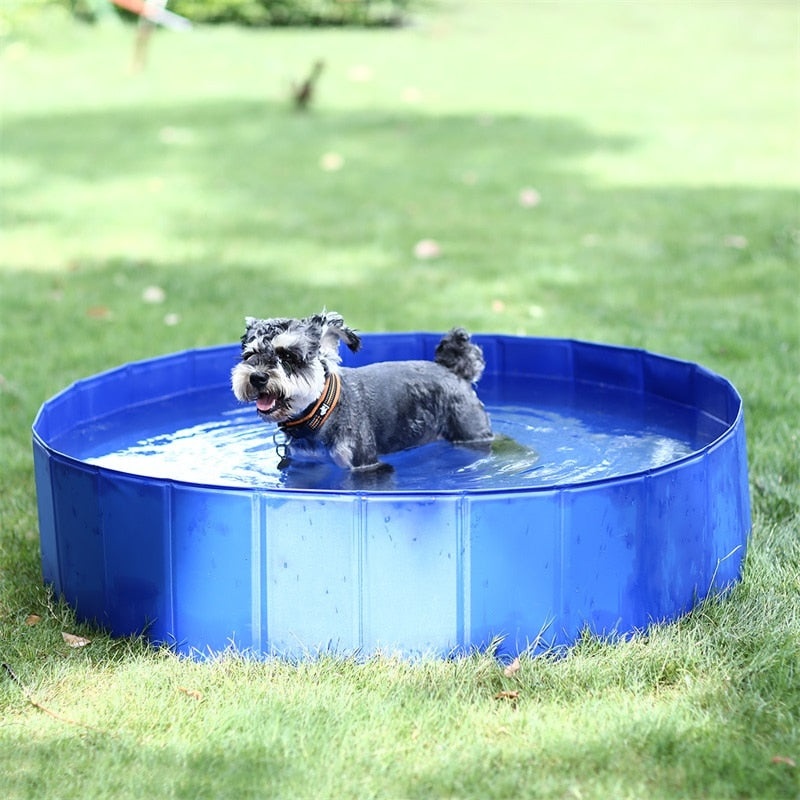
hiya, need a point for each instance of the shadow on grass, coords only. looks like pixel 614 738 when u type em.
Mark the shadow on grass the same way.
pixel 249 135
pixel 247 167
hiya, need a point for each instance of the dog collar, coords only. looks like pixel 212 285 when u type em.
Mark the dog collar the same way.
pixel 313 419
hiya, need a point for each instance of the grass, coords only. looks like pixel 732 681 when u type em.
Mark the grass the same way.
pixel 662 141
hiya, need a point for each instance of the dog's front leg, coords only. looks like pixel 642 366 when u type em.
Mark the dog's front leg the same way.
pixel 358 452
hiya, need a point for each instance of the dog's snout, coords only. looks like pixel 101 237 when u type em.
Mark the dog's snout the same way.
pixel 258 380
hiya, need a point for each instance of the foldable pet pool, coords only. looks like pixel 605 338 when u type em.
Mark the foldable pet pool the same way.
pixel 616 495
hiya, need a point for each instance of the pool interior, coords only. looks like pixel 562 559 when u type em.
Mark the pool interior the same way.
pixel 549 432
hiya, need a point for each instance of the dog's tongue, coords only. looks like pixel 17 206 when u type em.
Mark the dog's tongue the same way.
pixel 265 402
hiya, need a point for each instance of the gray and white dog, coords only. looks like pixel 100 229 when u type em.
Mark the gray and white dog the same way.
pixel 291 369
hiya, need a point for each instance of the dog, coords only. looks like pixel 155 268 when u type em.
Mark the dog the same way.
pixel 290 369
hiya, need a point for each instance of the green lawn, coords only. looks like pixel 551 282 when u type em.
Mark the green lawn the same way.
pixel 658 144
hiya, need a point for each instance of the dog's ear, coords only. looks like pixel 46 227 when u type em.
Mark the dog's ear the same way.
pixel 248 323
pixel 332 331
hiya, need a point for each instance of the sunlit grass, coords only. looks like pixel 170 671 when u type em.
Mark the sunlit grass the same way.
pixel 660 143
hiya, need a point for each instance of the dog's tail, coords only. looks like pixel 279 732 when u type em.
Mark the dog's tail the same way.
pixel 460 355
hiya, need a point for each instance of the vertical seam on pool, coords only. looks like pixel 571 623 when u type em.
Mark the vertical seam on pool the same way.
pixel 60 525
pixel 257 571
pixel 463 568
pixel 98 477
pixel 706 530
pixel 56 526
pixel 169 520
pixel 358 558
pixel 744 507
pixel 559 593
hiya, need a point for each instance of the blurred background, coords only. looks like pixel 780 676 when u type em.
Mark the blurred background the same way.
pixel 616 171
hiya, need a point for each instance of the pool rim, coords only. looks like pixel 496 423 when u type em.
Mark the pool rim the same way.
pixel 643 354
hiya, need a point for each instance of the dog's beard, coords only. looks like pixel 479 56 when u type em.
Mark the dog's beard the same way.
pixel 283 396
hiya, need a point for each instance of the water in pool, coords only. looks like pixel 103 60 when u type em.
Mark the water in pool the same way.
pixel 547 433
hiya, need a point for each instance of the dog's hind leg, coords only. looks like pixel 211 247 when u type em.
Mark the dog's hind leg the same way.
pixel 469 424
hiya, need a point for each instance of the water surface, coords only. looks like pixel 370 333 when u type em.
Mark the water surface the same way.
pixel 548 433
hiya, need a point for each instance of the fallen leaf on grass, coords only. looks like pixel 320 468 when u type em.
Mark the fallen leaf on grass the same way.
pixel 427 248
pixel 512 668
pixel 193 693
pixel 331 162
pixel 98 312
pixel 32 619
pixel 512 694
pixel 153 294
pixel 529 198
pixel 783 760
pixel 75 641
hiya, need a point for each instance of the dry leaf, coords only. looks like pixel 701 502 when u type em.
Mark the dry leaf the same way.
pixel 512 668
pixel 331 162
pixel 427 248
pixel 507 695
pixel 529 198
pixel 98 312
pixel 783 760
pixel 193 693
pixel 75 641
pixel 33 619
pixel 154 294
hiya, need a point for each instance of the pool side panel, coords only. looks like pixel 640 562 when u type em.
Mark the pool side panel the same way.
pixel 48 533
pixel 675 561
pixel 410 577
pixel 514 570
pixel 78 520
pixel 134 539
pixel 212 557
pixel 311 566
pixel 603 535
pixel 729 515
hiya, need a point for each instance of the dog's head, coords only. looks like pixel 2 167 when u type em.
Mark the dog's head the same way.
pixel 285 362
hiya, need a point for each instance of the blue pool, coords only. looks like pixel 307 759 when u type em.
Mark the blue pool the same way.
pixel 614 495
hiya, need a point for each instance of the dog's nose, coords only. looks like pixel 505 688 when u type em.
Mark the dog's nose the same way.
pixel 258 380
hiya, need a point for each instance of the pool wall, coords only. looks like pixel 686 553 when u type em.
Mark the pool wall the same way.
pixel 293 572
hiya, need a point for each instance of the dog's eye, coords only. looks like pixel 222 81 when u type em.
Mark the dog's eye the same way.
pixel 291 359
